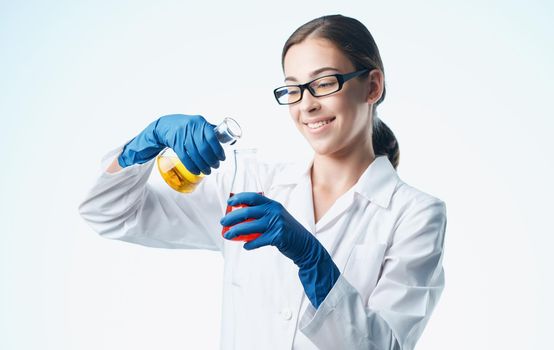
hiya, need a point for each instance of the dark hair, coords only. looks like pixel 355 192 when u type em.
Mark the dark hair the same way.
pixel 356 42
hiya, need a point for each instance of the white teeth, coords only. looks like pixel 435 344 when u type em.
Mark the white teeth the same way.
pixel 318 124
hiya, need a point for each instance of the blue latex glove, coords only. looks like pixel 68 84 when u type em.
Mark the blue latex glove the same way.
pixel 191 137
pixel 317 271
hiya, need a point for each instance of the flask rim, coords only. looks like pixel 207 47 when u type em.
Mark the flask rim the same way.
pixel 232 127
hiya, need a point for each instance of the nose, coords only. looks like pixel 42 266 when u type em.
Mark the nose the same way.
pixel 309 103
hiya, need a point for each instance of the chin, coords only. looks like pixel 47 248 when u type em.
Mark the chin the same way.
pixel 323 148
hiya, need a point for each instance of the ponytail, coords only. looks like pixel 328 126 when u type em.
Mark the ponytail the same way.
pixel 384 141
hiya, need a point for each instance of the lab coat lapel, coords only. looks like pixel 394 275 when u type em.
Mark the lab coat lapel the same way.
pixel 376 184
pixel 340 206
pixel 301 203
pixel 300 206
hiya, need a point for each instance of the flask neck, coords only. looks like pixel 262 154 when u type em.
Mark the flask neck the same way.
pixel 246 177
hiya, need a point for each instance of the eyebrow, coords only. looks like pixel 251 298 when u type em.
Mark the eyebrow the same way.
pixel 314 73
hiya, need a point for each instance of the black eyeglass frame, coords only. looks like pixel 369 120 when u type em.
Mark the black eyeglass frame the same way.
pixel 341 78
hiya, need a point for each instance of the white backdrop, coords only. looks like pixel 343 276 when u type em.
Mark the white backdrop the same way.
pixel 469 91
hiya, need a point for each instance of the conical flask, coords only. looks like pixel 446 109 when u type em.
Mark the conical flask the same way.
pixel 246 179
pixel 174 172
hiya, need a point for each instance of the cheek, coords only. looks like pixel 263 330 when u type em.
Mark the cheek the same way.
pixel 355 110
pixel 347 114
pixel 293 113
pixel 353 122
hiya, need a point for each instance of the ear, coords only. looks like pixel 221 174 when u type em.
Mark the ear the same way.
pixel 376 82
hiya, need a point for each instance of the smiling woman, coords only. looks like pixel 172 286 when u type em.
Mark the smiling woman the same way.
pixel 356 253
pixel 343 39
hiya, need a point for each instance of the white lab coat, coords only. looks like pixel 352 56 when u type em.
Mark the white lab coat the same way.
pixel 385 236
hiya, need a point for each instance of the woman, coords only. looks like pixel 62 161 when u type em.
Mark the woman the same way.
pixel 350 257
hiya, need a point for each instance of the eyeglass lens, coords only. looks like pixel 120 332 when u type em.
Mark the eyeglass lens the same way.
pixel 319 87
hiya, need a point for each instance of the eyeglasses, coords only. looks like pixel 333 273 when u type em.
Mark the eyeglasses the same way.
pixel 322 86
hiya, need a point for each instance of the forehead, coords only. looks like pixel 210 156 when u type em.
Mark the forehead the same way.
pixel 304 58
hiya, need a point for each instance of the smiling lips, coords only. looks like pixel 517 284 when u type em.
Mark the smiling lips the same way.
pixel 319 124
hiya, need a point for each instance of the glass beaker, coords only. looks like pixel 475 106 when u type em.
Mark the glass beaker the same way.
pixel 245 179
pixel 173 171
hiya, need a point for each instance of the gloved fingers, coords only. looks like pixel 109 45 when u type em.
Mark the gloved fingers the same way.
pixel 204 148
pixel 209 134
pixel 242 214
pixel 261 241
pixel 192 150
pixel 248 198
pixel 187 161
pixel 254 226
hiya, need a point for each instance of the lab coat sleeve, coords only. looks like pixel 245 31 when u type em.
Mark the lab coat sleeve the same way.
pixel 127 206
pixel 401 303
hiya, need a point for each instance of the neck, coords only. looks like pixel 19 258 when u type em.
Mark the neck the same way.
pixel 338 172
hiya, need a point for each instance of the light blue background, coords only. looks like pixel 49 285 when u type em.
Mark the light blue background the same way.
pixel 469 96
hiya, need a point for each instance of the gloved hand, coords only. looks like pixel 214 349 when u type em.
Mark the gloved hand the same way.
pixel 191 137
pixel 317 271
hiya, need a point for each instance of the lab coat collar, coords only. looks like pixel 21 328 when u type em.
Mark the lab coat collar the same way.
pixel 377 183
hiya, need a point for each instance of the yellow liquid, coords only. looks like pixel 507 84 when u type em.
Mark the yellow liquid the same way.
pixel 176 175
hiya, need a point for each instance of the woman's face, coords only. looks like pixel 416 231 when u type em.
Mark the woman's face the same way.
pixel 346 112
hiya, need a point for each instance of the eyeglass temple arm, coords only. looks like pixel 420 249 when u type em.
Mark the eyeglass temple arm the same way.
pixel 349 76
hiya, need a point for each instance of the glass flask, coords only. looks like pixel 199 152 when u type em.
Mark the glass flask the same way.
pixel 174 172
pixel 245 179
